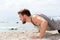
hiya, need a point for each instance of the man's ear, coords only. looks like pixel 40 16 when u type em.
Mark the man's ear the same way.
pixel 25 16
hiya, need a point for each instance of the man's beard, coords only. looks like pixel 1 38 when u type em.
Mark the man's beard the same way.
pixel 23 22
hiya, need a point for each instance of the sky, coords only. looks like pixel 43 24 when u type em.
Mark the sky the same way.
pixel 9 8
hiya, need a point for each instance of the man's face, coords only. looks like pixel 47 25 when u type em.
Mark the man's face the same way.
pixel 22 18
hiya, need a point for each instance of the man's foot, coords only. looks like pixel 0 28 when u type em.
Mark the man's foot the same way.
pixel 58 31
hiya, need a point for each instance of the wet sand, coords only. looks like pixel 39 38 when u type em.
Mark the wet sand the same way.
pixel 17 35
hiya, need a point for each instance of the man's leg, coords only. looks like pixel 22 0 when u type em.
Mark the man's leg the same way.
pixel 58 22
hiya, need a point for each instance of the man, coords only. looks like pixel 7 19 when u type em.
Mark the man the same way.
pixel 41 21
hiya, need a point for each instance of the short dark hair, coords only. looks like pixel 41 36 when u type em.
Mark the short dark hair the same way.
pixel 25 12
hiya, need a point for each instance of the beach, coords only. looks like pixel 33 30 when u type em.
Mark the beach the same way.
pixel 17 35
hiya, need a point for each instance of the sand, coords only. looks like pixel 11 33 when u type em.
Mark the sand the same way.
pixel 17 35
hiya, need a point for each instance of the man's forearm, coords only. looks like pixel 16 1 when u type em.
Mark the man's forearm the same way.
pixel 43 29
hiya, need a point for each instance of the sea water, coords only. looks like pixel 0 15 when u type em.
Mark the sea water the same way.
pixel 7 26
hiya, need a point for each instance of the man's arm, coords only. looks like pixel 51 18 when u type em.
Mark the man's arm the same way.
pixel 43 25
pixel 43 28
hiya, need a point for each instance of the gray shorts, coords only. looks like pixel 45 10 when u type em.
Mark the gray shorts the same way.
pixel 56 23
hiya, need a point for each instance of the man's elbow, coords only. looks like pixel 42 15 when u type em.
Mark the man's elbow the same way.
pixel 45 22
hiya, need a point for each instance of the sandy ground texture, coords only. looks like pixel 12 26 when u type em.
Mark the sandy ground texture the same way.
pixel 17 35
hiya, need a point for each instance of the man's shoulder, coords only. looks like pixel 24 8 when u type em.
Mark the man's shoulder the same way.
pixel 35 15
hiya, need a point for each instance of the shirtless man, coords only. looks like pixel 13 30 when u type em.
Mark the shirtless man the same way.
pixel 41 21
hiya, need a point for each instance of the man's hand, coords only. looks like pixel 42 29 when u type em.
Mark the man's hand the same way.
pixel 36 37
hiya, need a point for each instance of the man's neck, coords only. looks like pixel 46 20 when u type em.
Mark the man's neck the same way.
pixel 28 19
